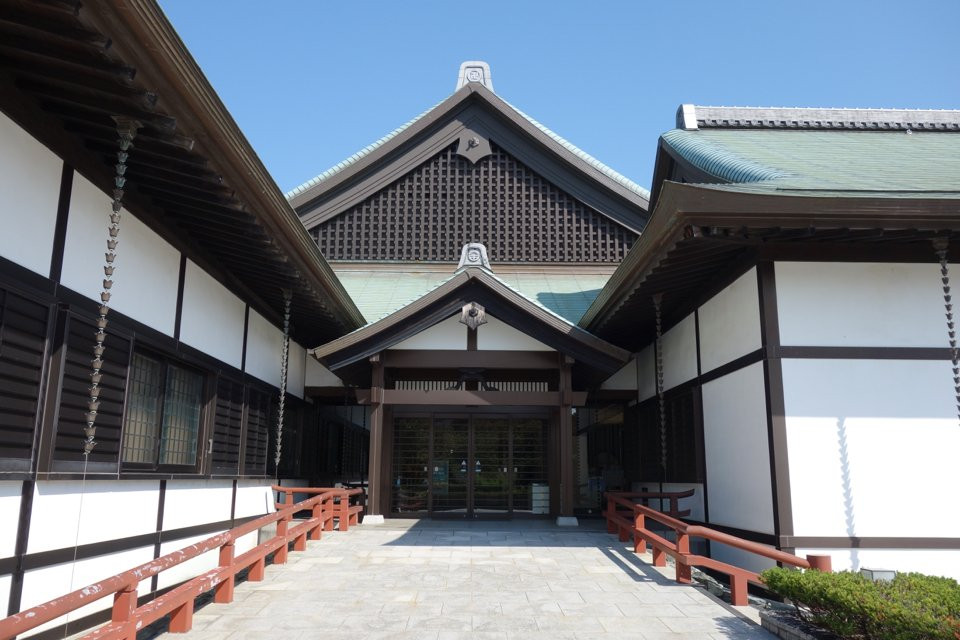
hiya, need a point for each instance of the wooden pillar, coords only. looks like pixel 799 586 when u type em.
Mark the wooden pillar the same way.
pixel 567 481
pixel 375 471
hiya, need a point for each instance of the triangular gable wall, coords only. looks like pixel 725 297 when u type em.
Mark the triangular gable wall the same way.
pixel 448 201
pixel 451 334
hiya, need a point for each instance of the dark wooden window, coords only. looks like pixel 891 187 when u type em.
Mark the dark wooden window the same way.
pixel 684 428
pixel 429 214
pixel 260 411
pixel 23 329
pixel 164 413
pixel 227 426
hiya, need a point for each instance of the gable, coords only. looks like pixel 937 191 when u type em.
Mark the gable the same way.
pixel 451 335
pixel 447 201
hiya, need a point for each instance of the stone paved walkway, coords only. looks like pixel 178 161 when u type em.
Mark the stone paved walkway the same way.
pixel 444 581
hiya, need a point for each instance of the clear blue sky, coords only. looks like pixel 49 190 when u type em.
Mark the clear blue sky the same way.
pixel 312 82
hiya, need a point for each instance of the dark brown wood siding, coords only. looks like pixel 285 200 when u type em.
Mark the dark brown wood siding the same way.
pixel 23 329
pixel 432 211
pixel 227 427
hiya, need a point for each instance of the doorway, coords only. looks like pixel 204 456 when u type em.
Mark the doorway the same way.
pixel 470 466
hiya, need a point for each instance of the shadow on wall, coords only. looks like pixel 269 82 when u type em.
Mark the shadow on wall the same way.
pixel 570 306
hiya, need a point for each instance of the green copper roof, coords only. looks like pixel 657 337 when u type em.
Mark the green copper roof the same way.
pixel 868 163
pixel 378 293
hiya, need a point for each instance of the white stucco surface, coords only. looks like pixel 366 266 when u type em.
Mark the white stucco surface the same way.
pixel 264 346
pixel 212 317
pixel 447 334
pixel 730 323
pixel 9 513
pixel 192 502
pixel 497 335
pixel 680 353
pixel 625 378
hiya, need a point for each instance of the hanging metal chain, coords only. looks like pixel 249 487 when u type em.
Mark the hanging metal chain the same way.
pixel 284 362
pixel 661 403
pixel 127 130
pixel 940 246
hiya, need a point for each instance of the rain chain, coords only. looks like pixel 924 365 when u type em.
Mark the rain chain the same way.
pixel 661 403
pixel 284 361
pixel 127 130
pixel 940 246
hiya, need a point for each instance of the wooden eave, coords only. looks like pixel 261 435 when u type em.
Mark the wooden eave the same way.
pixel 472 285
pixel 699 234
pixel 66 68
pixel 442 126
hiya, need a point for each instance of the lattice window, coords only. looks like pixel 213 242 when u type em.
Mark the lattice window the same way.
pixel 432 211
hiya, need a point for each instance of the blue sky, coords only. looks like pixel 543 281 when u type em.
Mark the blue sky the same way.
pixel 312 82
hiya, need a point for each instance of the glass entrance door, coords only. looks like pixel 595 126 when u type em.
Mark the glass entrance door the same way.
pixel 450 466
pixel 491 466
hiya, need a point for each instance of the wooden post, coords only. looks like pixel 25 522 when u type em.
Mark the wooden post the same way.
pixel 639 542
pixel 738 590
pixel 317 513
pixel 659 557
pixel 181 618
pixel 566 438
pixel 124 604
pixel 256 570
pixel 344 512
pixel 820 563
pixel 280 557
pixel 223 592
pixel 683 549
pixel 376 438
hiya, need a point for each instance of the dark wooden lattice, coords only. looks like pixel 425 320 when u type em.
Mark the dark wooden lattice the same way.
pixel 432 211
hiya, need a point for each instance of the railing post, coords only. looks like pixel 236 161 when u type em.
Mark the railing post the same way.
pixel 256 570
pixel 181 618
pixel 683 550
pixel 659 557
pixel 639 542
pixel 820 563
pixel 288 499
pixel 738 590
pixel 280 557
pixel 223 592
pixel 344 512
pixel 124 605
pixel 317 513
pixel 328 523
pixel 611 513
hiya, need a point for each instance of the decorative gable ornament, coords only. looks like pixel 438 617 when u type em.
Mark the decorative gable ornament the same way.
pixel 473 315
pixel 473 254
pixel 475 71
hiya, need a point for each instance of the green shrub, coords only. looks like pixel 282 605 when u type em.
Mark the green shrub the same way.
pixel 912 606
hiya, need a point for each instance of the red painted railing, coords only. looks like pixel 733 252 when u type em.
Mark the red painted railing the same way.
pixel 127 618
pixel 628 519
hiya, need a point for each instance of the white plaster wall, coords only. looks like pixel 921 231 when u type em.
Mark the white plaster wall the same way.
pixel 9 515
pixel 646 374
pixel 264 345
pixel 56 505
pixel 296 363
pixel 244 543
pixel 317 375
pixel 625 378
pixel 192 502
pixel 212 317
pixel 41 585
pixel 448 334
pixel 191 568
pixel 680 353
pixel 5 582
pixel 254 498
pixel 497 335
pixel 147 267
pixel 865 437
pixel 730 323
pixel 934 562
pixel 29 194
pixel 738 558
pixel 737 455
pixel 854 304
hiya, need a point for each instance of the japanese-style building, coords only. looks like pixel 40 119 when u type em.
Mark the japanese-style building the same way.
pixel 471 317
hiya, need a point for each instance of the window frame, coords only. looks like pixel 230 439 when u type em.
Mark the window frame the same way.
pixel 200 451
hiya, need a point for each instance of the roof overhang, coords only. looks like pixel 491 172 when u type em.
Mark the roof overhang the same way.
pixel 68 68
pixel 698 234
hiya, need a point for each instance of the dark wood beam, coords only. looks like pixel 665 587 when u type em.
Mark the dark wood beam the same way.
pixel 439 359
pixel 376 437
pixel 470 398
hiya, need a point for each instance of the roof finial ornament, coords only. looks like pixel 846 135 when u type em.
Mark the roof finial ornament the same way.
pixel 475 71
pixel 473 254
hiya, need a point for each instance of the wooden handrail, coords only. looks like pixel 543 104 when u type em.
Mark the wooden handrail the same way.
pixel 635 526
pixel 127 618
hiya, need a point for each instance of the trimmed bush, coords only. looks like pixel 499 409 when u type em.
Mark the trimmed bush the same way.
pixel 910 607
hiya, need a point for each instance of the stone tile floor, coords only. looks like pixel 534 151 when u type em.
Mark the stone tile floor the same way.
pixel 436 580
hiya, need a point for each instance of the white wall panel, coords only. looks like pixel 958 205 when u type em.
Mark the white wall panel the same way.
pixel 56 505
pixel 254 498
pixel 317 375
pixel 625 378
pixel 192 502
pixel 10 516
pixel 646 374
pixel 932 562
pixel 730 323
pixel 5 582
pixel 296 361
pixel 41 585
pixel 29 194
pixel 448 334
pixel 191 568
pixel 212 317
pixel 680 353
pixel 737 456
pixel 264 346
pixel 853 304
pixel 147 272
pixel 738 558
pixel 865 436
pixel 497 335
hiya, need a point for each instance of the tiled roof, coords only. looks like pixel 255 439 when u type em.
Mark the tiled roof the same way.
pixel 378 293
pixel 890 163
pixel 583 155
pixel 691 116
